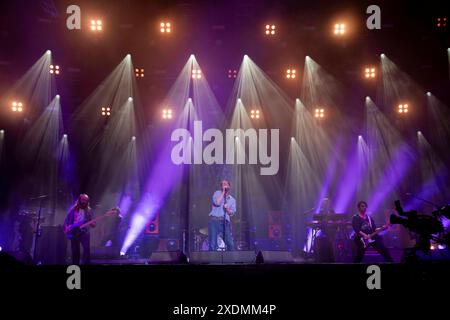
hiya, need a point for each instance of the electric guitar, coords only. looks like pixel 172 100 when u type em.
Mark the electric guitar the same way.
pixel 74 230
pixel 368 242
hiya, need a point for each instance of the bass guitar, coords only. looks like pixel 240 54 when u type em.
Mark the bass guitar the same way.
pixel 74 230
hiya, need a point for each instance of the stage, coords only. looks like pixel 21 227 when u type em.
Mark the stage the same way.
pixel 269 156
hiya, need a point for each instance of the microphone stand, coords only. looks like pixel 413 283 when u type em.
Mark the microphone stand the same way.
pixel 38 225
pixel 224 216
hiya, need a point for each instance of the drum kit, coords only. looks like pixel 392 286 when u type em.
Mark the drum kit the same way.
pixel 25 228
pixel 201 242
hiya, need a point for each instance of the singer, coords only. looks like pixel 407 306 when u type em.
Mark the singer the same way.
pixel 223 207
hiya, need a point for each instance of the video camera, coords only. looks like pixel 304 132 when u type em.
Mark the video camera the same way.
pixel 422 224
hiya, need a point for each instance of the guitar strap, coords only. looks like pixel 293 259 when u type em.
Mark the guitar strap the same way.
pixel 370 222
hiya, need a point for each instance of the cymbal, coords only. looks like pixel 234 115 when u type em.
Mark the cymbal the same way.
pixel 203 231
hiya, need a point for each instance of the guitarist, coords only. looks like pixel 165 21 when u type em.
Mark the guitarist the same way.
pixel 366 232
pixel 78 215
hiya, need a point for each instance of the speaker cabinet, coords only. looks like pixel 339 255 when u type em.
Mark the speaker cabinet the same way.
pixel 51 246
pixel 222 257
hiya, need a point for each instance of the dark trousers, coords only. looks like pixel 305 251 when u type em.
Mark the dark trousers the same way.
pixel 378 245
pixel 84 240
pixel 215 227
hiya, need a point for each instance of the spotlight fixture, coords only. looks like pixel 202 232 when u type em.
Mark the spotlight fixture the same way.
pixel 441 22
pixel 196 74
pixel 16 106
pixel 255 114
pixel 54 69
pixel 165 27
pixel 402 108
pixel 270 30
pixel 291 73
pixel 167 114
pixel 139 72
pixel 319 113
pixel 339 29
pixel 96 25
pixel 106 111
pixel 369 72
pixel 232 74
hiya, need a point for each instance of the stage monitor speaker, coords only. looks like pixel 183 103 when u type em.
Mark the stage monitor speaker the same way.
pixel 216 257
pixel 167 257
pixel 276 257
pixel 200 257
pixel 239 257
pixel 411 255
pixel 13 260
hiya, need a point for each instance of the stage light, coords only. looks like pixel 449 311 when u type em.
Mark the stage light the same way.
pixel 291 73
pixel 232 74
pixel 369 72
pixel 270 29
pixel 167 114
pixel 339 29
pixel 360 137
pixel 65 136
pixel 382 55
pixel 55 69
pixel 17 106
pixel 2 131
pixel 419 133
pixel 165 27
pixel 441 22
pixel 96 25
pixel 133 138
pixel 139 72
pixel 106 111
pixel 429 93
pixel 319 113
pixel 403 108
pixel 255 114
pixel 196 74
